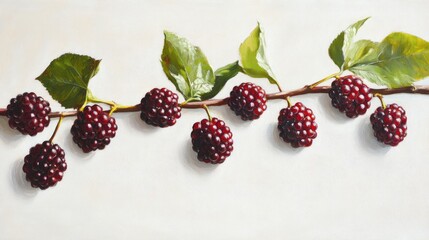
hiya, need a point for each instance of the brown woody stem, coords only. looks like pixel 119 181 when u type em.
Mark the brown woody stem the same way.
pixel 270 96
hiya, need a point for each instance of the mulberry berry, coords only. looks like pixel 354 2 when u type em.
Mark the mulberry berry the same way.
pixel 93 129
pixel 350 95
pixel 297 125
pixel 212 140
pixel 389 124
pixel 45 165
pixel 160 108
pixel 248 100
pixel 28 113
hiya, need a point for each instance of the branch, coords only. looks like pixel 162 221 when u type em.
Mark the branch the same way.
pixel 277 95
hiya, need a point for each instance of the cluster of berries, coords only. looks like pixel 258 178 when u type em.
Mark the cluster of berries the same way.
pixel 350 95
pixel 211 138
pixel 45 164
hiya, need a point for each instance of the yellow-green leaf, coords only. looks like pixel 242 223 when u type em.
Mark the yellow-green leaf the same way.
pixel 338 50
pixel 253 60
pixel 400 60
pixel 222 75
pixel 361 52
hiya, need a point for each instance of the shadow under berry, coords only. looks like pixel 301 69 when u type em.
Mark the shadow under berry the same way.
pixel 232 119
pixel 77 151
pixel 190 159
pixel 135 121
pixel 331 112
pixel 19 184
pixel 367 138
pixel 276 141
pixel 7 134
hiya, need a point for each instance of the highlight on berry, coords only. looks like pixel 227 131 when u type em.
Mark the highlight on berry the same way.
pixel 394 63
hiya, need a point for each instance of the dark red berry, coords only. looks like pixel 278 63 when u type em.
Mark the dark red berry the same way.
pixel 212 140
pixel 45 165
pixel 248 101
pixel 93 128
pixel 28 113
pixel 297 125
pixel 160 108
pixel 389 124
pixel 350 95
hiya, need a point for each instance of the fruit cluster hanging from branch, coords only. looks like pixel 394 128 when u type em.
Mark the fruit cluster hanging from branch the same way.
pixel 396 62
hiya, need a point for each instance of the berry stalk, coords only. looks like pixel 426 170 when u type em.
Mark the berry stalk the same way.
pixel 209 116
pixel 379 96
pixel 325 79
pixel 277 95
pixel 56 128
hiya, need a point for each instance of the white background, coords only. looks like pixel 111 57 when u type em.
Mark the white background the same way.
pixel 147 184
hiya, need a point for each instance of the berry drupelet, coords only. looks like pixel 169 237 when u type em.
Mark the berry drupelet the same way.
pixel 212 140
pixel 45 165
pixel 28 113
pixel 297 125
pixel 350 95
pixel 93 128
pixel 389 124
pixel 248 101
pixel 160 108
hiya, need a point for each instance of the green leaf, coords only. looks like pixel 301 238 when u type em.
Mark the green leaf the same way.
pixel 253 59
pixel 336 50
pixel 222 75
pixel 67 77
pixel 400 59
pixel 186 67
pixel 339 48
pixel 361 52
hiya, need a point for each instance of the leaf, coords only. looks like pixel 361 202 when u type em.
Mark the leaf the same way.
pixel 67 77
pixel 401 59
pixel 253 59
pixel 361 52
pixel 186 67
pixel 222 75
pixel 338 50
